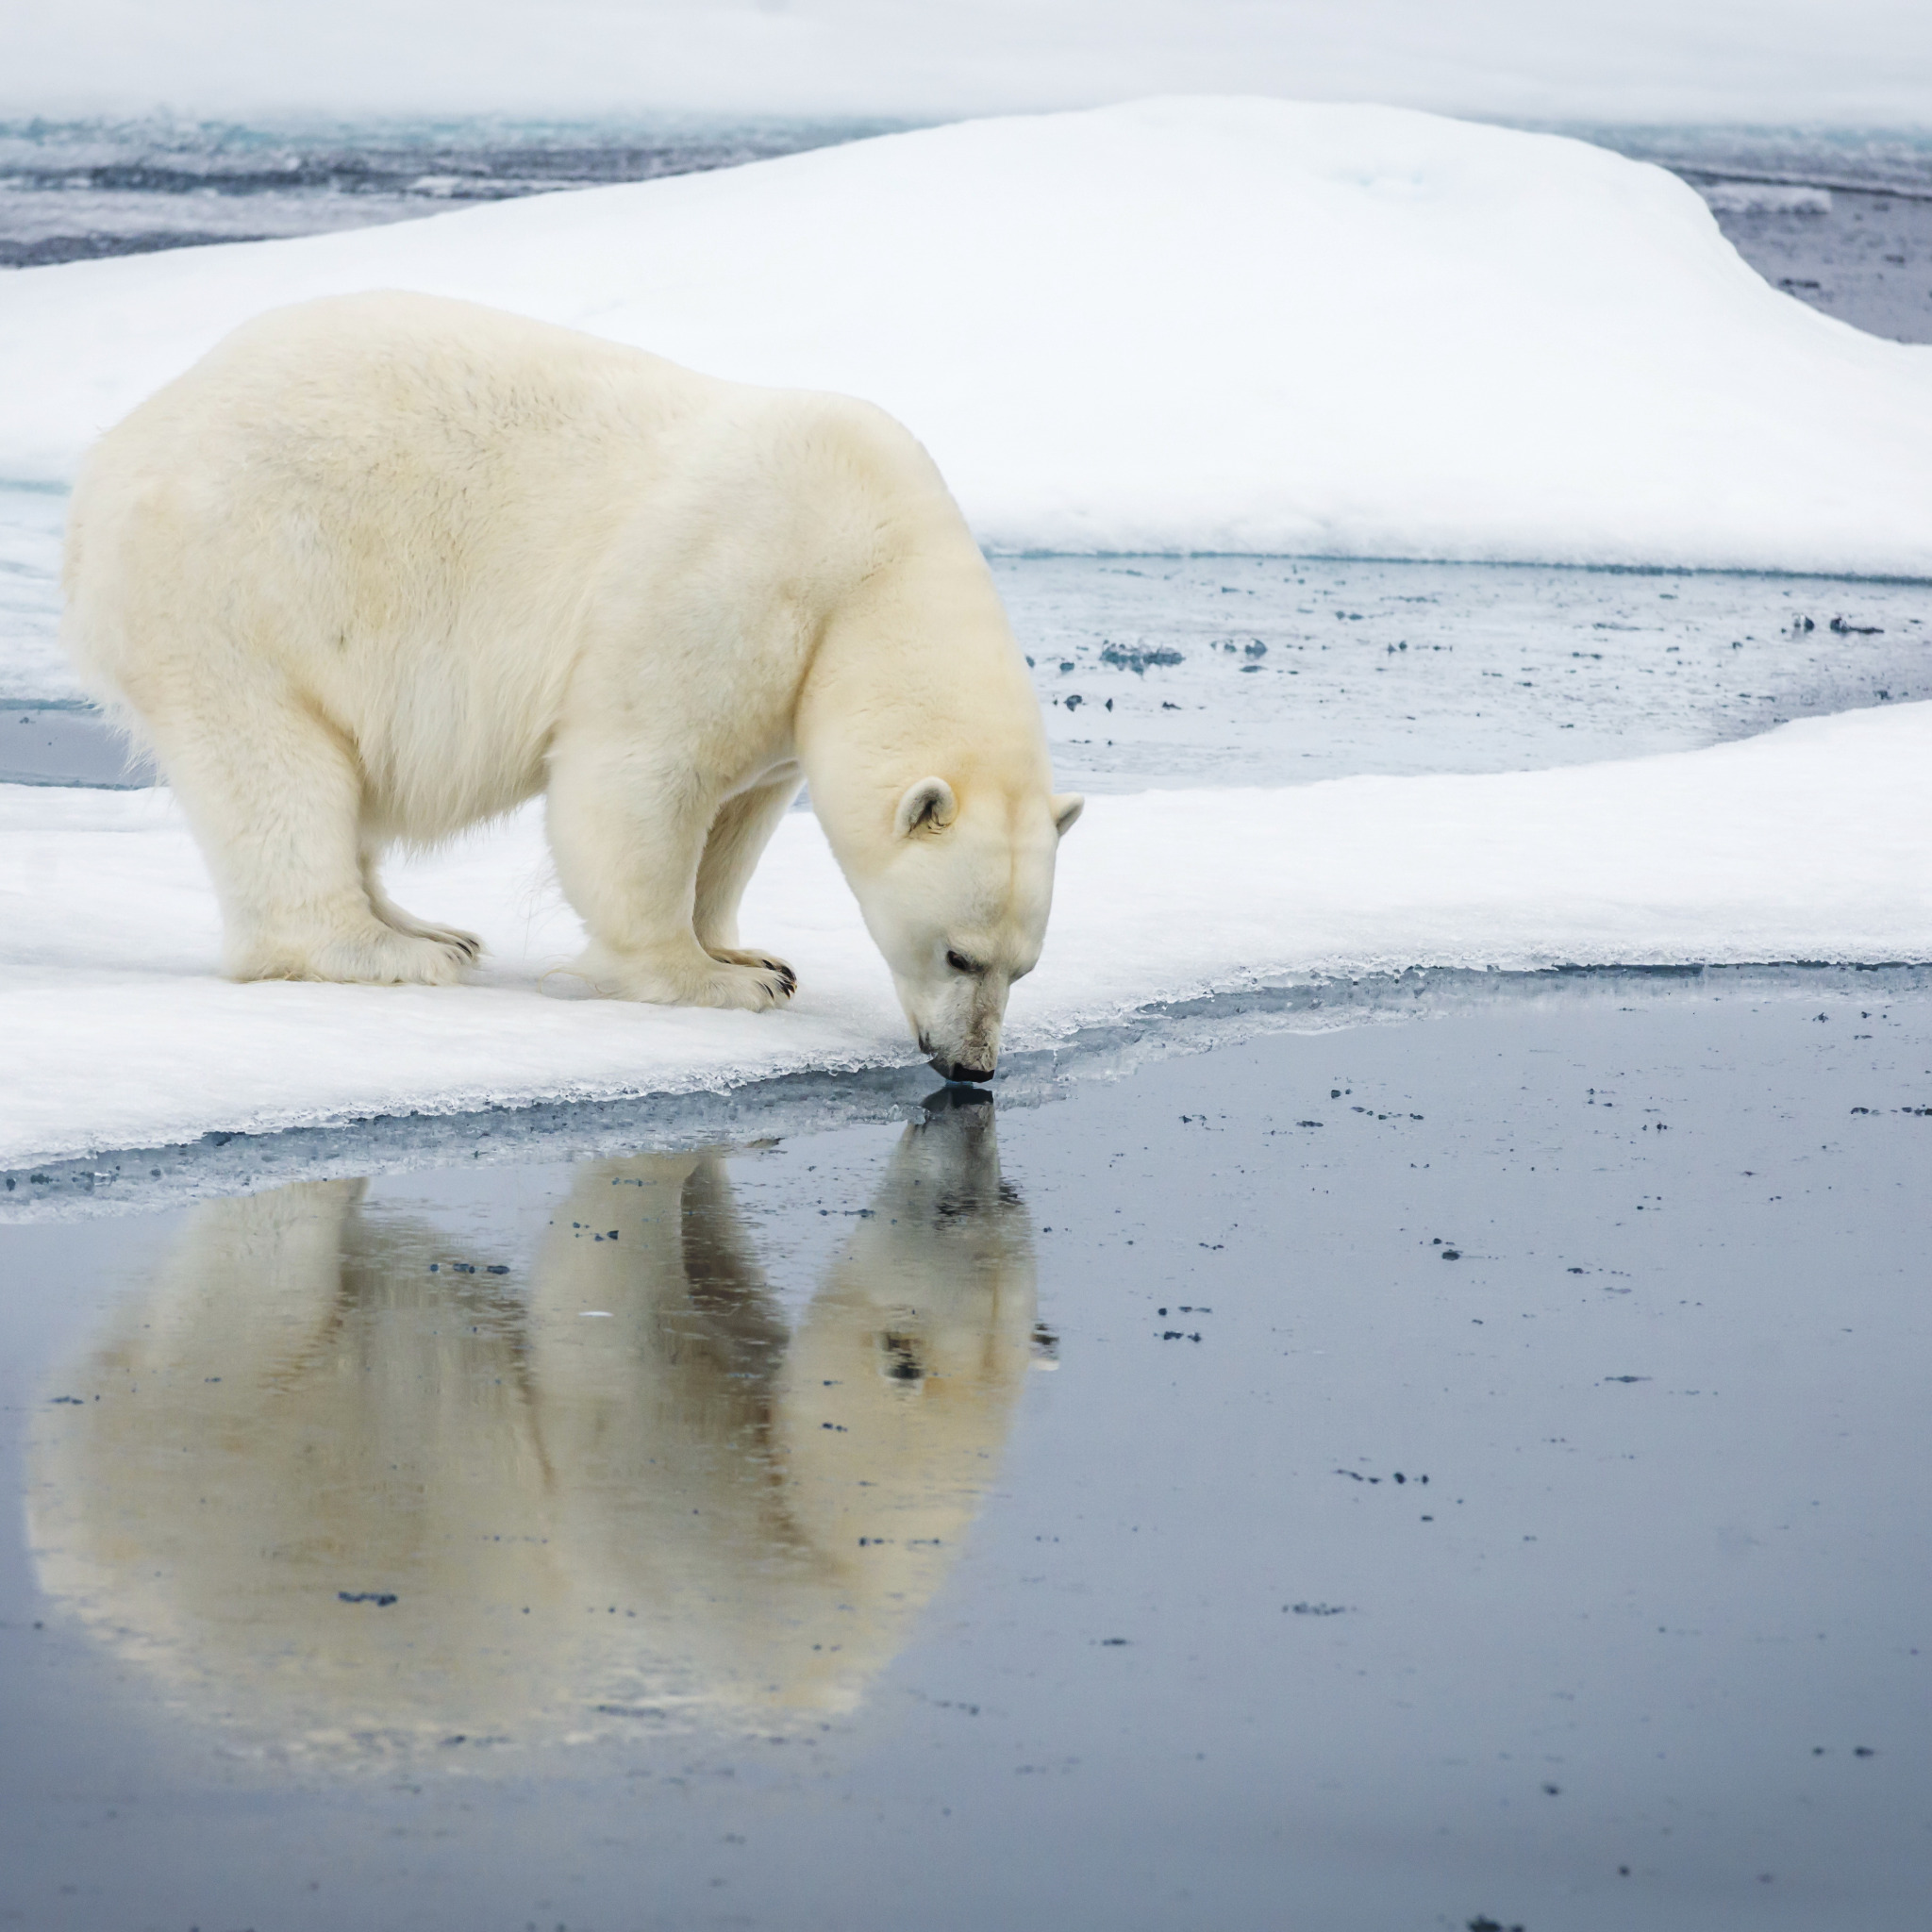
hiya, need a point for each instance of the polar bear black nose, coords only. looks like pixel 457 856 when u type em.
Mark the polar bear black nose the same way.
pixel 957 1070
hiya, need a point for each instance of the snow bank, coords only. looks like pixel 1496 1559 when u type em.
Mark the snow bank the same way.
pixel 1817 61
pixel 1811 842
pixel 1209 325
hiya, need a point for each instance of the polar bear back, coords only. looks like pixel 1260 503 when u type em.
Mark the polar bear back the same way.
pixel 424 514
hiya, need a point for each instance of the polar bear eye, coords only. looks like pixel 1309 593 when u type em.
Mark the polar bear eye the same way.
pixel 961 963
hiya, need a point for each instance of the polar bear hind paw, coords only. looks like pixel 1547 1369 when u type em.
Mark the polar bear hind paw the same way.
pixel 466 945
pixel 376 955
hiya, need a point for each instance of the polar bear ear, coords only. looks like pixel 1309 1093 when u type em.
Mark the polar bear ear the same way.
pixel 928 803
pixel 1066 808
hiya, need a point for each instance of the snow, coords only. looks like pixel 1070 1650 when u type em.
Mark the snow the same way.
pixel 1207 325
pixel 1810 842
pixel 1829 61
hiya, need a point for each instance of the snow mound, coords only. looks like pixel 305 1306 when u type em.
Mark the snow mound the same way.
pixel 1812 843
pixel 1220 325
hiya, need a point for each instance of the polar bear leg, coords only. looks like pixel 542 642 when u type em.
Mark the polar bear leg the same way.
pixel 739 836
pixel 629 835
pixel 274 796
pixel 386 910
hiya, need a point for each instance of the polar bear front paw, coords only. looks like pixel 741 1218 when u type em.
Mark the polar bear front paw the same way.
pixel 762 962
pixel 699 980
pixel 373 955
pixel 755 988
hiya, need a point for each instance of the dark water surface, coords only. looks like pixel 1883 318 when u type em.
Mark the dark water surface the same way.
pixel 1465 1467
pixel 1840 220
pixel 76 190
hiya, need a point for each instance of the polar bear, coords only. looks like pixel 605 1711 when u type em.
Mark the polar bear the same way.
pixel 381 566
pixel 372 1491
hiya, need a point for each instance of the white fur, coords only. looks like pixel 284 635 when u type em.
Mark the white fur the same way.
pixel 381 566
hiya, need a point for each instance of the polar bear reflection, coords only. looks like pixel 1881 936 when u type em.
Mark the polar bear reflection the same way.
pixel 685 1508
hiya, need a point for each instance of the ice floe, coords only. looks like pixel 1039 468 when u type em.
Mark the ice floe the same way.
pixel 1810 842
pixel 1209 323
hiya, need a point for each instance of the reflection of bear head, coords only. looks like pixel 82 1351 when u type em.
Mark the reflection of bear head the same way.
pixel 337 1487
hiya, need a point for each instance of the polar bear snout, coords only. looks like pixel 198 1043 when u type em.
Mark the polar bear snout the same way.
pixel 972 1062
pixel 957 1070
pixel 959 1025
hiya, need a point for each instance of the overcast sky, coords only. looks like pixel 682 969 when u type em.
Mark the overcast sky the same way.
pixel 1820 61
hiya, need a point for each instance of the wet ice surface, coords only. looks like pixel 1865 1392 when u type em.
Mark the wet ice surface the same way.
pixel 1245 670
pixel 67 744
pixel 750 1549
pixel 1864 257
pixel 1841 221
pixel 31 663
pixel 1231 671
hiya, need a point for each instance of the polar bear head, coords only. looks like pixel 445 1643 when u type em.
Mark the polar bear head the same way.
pixel 920 734
pixel 958 909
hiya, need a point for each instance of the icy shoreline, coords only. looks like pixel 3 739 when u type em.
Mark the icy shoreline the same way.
pixel 1812 843
pixel 219 1164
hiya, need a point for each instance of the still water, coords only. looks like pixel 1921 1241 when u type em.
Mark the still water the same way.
pixel 1463 1464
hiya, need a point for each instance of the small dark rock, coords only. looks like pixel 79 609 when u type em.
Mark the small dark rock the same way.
pixel 1134 657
